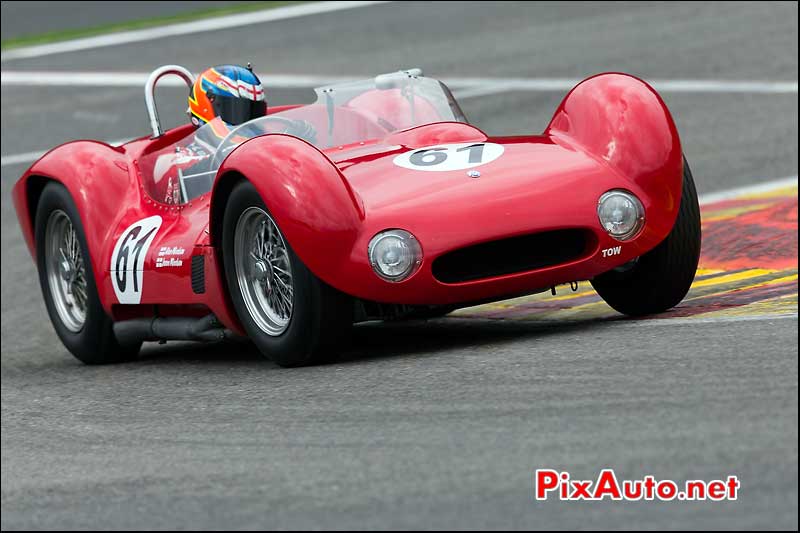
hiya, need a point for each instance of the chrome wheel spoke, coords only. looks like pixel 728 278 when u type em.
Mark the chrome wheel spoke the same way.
pixel 261 243
pixel 285 284
pixel 80 292
pixel 66 274
pixel 281 271
pixel 284 302
pixel 263 271
pixel 270 237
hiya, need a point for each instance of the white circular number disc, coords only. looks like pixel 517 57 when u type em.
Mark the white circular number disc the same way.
pixel 447 157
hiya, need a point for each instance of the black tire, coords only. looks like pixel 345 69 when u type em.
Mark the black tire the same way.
pixel 659 279
pixel 94 343
pixel 321 317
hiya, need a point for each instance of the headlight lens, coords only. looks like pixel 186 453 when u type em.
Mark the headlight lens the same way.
pixel 621 214
pixel 394 254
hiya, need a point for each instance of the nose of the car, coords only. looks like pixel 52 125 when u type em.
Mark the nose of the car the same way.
pixel 457 176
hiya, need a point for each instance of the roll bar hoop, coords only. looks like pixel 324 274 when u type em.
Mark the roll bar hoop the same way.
pixel 150 88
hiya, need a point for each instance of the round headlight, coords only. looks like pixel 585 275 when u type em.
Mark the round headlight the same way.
pixel 621 214
pixel 394 254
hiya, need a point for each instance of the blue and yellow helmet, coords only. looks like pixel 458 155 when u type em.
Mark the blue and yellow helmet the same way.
pixel 230 92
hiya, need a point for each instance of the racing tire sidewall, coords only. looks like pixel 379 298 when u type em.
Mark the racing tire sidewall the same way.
pixel 321 316
pixel 662 277
pixel 95 343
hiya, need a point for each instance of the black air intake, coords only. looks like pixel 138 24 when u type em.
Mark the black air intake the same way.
pixel 198 274
pixel 513 255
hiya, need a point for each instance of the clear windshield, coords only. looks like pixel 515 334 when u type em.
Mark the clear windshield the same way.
pixel 371 109
pixel 342 114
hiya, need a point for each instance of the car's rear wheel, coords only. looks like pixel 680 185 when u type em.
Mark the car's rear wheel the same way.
pixel 292 317
pixel 661 278
pixel 68 284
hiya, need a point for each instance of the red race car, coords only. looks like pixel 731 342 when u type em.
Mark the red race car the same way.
pixel 377 201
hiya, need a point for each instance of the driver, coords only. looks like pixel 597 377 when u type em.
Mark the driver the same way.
pixel 235 95
pixel 223 98
pixel 230 92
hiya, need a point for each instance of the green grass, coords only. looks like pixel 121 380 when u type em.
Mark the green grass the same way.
pixel 64 35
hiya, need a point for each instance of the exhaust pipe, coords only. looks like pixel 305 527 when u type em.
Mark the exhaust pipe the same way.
pixel 138 330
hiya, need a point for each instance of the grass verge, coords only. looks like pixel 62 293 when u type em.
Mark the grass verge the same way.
pixel 65 35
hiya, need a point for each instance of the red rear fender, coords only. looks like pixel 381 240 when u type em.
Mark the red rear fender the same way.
pixel 97 178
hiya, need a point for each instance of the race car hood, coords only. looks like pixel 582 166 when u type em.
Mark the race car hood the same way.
pixel 468 177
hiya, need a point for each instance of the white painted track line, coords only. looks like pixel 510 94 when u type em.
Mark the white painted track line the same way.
pixel 763 187
pixel 43 78
pixel 677 321
pixel 29 157
pixel 184 28
pixel 485 86
pixel 18 159
pixel 472 86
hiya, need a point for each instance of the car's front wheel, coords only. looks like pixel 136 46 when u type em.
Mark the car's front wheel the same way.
pixel 293 318
pixel 659 279
pixel 67 282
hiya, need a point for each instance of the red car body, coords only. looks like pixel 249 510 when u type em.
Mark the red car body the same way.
pixel 612 131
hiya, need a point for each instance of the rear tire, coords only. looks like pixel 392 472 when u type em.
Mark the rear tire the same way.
pixel 659 279
pixel 67 282
pixel 300 329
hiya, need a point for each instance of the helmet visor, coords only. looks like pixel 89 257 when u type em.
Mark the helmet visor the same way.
pixel 234 110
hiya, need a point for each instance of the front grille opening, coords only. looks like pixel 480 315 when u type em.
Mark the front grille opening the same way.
pixel 510 256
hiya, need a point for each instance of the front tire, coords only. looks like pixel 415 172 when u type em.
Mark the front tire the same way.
pixel 661 278
pixel 292 316
pixel 67 282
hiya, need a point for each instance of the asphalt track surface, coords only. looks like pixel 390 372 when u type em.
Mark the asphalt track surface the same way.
pixel 21 19
pixel 438 424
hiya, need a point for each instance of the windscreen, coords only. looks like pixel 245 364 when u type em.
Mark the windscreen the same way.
pixel 341 115
pixel 348 113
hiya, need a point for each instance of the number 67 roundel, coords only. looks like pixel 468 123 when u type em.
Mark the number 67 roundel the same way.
pixel 127 259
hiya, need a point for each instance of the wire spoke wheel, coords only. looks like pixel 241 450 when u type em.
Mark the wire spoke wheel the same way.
pixel 292 317
pixel 66 272
pixel 264 271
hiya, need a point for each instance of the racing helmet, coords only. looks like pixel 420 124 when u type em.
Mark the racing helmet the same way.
pixel 230 92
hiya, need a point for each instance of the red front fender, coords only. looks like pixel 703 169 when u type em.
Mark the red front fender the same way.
pixel 318 212
pixel 623 123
